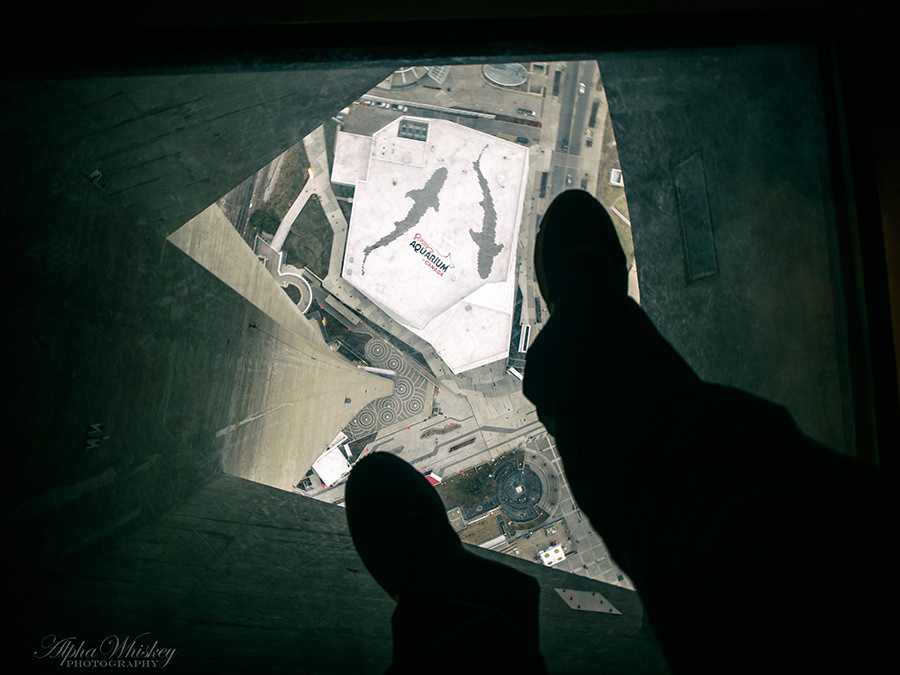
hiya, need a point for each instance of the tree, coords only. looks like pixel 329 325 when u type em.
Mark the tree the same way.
pixel 264 221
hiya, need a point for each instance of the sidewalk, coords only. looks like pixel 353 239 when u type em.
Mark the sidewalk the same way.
pixel 319 184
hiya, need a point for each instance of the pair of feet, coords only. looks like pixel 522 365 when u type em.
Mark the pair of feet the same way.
pixel 577 250
pixel 577 253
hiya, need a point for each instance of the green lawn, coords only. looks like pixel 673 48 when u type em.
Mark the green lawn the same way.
pixel 291 179
pixel 469 489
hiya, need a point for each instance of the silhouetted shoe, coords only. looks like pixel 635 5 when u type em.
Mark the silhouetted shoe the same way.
pixel 401 531
pixel 398 523
pixel 577 251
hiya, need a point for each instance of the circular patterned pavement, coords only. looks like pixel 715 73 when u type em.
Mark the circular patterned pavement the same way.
pixel 403 389
pixel 387 403
pixel 366 420
pixel 414 405
pixel 408 398
pixel 376 349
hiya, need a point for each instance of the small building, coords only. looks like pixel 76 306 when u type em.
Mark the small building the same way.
pixel 332 465
pixel 615 178
pixel 553 555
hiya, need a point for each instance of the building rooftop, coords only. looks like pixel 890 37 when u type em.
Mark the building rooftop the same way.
pixel 433 232
pixel 553 555
pixel 332 465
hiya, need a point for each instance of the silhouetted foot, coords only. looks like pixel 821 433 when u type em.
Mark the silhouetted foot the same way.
pixel 398 522
pixel 577 250
pixel 401 531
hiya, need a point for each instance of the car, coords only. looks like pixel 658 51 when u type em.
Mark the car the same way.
pixel 565 145
pixel 526 111
pixel 581 87
pixel 568 179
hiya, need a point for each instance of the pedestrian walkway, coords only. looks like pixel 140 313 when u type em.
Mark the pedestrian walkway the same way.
pixel 284 274
pixel 284 229
pixel 319 186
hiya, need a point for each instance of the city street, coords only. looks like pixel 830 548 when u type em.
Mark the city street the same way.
pixel 578 81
